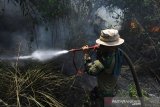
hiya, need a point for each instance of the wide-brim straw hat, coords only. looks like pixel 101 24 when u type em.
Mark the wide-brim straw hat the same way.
pixel 110 37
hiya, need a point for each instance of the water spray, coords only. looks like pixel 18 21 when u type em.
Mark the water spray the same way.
pixel 44 55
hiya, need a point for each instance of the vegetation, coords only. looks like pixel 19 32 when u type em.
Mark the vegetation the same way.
pixel 48 9
pixel 41 86
pixel 45 85
pixel 133 92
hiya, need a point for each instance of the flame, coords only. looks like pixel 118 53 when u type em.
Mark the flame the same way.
pixel 155 29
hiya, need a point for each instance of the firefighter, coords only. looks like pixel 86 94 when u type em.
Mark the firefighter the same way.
pixel 106 67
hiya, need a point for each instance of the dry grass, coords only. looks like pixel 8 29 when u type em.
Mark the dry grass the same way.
pixel 38 86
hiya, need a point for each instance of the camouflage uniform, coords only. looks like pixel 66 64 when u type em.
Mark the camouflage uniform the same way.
pixel 106 69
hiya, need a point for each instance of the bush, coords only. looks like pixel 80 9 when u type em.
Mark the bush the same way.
pixel 42 85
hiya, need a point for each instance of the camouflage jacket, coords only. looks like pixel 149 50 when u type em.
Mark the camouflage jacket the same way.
pixel 106 69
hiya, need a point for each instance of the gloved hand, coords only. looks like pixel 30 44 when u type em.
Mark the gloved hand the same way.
pixel 85 49
pixel 86 53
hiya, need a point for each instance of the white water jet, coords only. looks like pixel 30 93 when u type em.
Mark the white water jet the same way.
pixel 43 55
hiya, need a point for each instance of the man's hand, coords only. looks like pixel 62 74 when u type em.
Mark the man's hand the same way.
pixel 85 49
pixel 86 53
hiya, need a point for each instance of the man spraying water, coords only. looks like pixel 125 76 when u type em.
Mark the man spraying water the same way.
pixel 107 68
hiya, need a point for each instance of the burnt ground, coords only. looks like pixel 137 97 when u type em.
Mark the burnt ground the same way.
pixel 149 83
pixel 147 80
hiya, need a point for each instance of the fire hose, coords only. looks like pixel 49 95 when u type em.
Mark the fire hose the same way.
pixel 135 78
pixel 74 54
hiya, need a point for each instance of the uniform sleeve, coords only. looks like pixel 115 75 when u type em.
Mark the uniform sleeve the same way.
pixel 93 67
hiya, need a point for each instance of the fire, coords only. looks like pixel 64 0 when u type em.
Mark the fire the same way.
pixel 155 29
pixel 134 24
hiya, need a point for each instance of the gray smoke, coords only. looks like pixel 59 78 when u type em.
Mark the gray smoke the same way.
pixel 85 21
pixel 80 27
pixel 14 28
pixel 112 17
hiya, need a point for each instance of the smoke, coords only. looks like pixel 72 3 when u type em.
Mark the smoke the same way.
pixel 85 21
pixel 44 39
pixel 112 17
pixel 14 28
pixel 92 16
pixel 80 27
